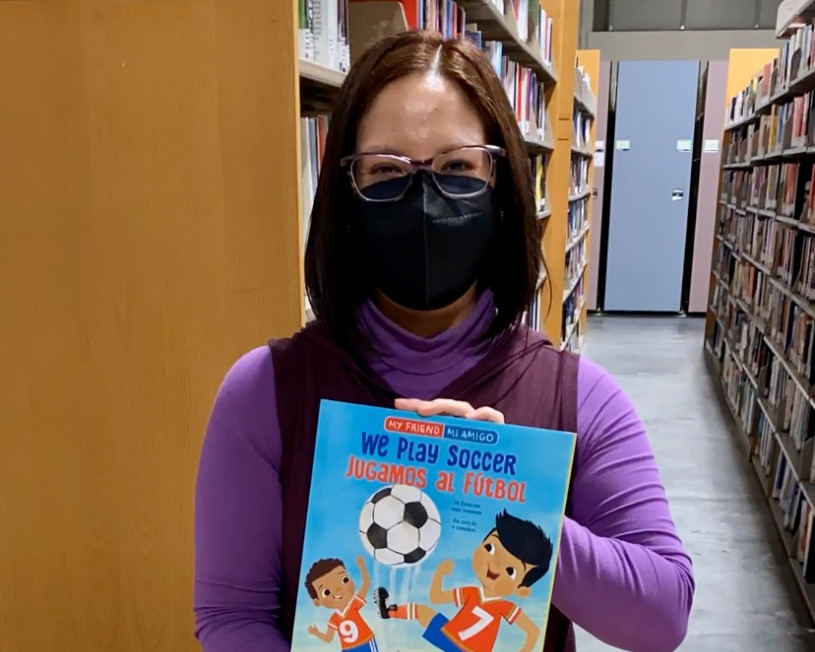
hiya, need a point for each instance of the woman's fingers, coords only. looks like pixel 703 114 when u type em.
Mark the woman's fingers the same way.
pixel 486 414
pixel 435 407
pixel 449 407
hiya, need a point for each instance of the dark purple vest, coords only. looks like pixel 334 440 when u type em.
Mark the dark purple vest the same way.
pixel 525 378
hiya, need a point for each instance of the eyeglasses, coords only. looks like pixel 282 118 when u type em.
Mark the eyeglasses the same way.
pixel 459 173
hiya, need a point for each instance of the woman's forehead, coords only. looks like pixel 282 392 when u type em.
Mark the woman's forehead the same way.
pixel 424 114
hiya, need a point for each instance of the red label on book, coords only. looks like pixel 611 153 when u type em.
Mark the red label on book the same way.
pixel 414 427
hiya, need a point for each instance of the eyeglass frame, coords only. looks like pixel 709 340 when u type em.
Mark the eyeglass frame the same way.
pixel 425 164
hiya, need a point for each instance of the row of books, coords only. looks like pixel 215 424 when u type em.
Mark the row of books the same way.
pixel 579 175
pixel 538 164
pixel 774 133
pixel 577 220
pixel 581 130
pixel 322 33
pixel 574 342
pixel 780 189
pixel 759 388
pixel 797 515
pixel 532 316
pixel 788 125
pixel 785 318
pixel 575 265
pixel 313 130
pixel 533 24
pixel 772 187
pixel 743 104
pixel 788 494
pixel 527 95
pixel 795 59
pixel 572 308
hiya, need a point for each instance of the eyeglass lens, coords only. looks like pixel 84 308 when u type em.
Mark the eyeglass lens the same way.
pixel 458 173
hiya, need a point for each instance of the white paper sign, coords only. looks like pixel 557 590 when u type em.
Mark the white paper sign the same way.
pixel 711 145
pixel 599 159
pixel 623 145
pixel 599 146
pixel 683 145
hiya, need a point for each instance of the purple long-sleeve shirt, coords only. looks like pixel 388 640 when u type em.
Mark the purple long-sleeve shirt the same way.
pixel 622 572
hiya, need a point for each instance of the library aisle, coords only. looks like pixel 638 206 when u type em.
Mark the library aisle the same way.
pixel 746 597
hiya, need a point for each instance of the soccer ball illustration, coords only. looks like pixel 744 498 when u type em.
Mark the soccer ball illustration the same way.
pixel 399 525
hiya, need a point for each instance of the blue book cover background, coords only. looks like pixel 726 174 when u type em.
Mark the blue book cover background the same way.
pixel 402 494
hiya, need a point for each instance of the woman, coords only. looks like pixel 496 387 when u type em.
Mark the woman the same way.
pixel 422 257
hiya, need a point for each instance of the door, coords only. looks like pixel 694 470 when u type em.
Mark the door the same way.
pixel 653 150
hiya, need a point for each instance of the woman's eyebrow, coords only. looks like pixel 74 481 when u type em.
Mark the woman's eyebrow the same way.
pixel 384 149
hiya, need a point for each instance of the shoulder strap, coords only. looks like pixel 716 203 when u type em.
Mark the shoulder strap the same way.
pixel 568 405
pixel 560 632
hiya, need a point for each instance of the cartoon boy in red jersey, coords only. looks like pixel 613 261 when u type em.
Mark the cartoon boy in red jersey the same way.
pixel 513 556
pixel 329 585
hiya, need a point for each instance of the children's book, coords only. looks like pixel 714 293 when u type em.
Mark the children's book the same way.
pixel 433 533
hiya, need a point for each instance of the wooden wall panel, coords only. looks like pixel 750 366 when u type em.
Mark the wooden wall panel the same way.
pixel 742 65
pixel 148 236
pixel 590 61
pixel 708 198
pixel 599 183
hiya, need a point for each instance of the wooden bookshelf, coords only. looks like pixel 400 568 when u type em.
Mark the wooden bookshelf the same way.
pixel 147 240
pixel 759 325
pixel 586 101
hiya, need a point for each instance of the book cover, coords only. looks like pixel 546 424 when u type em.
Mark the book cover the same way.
pixel 429 533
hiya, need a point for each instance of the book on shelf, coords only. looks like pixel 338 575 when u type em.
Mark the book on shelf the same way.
pixel 313 132
pixel 574 267
pixel 577 221
pixel 429 533
pixel 581 127
pixel 532 315
pixel 538 163
pixel 579 176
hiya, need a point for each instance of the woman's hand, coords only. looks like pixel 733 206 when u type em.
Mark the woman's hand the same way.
pixel 449 407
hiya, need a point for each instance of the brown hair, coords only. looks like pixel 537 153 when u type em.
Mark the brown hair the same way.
pixel 317 570
pixel 337 280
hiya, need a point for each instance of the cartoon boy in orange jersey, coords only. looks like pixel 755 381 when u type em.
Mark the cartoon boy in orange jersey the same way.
pixel 329 585
pixel 513 556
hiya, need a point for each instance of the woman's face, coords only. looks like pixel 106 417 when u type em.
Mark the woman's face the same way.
pixel 419 116
pixel 425 248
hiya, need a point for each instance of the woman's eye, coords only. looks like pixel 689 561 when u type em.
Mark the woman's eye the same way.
pixel 326 593
pixel 490 548
pixel 456 166
pixel 345 580
pixel 386 170
pixel 511 572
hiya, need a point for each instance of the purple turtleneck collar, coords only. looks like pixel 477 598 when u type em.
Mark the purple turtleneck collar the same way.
pixel 420 367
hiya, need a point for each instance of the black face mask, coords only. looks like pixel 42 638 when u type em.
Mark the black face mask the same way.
pixel 426 249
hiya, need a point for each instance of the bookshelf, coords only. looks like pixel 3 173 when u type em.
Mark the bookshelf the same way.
pixel 147 240
pixel 587 77
pixel 760 325
pixel 526 41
